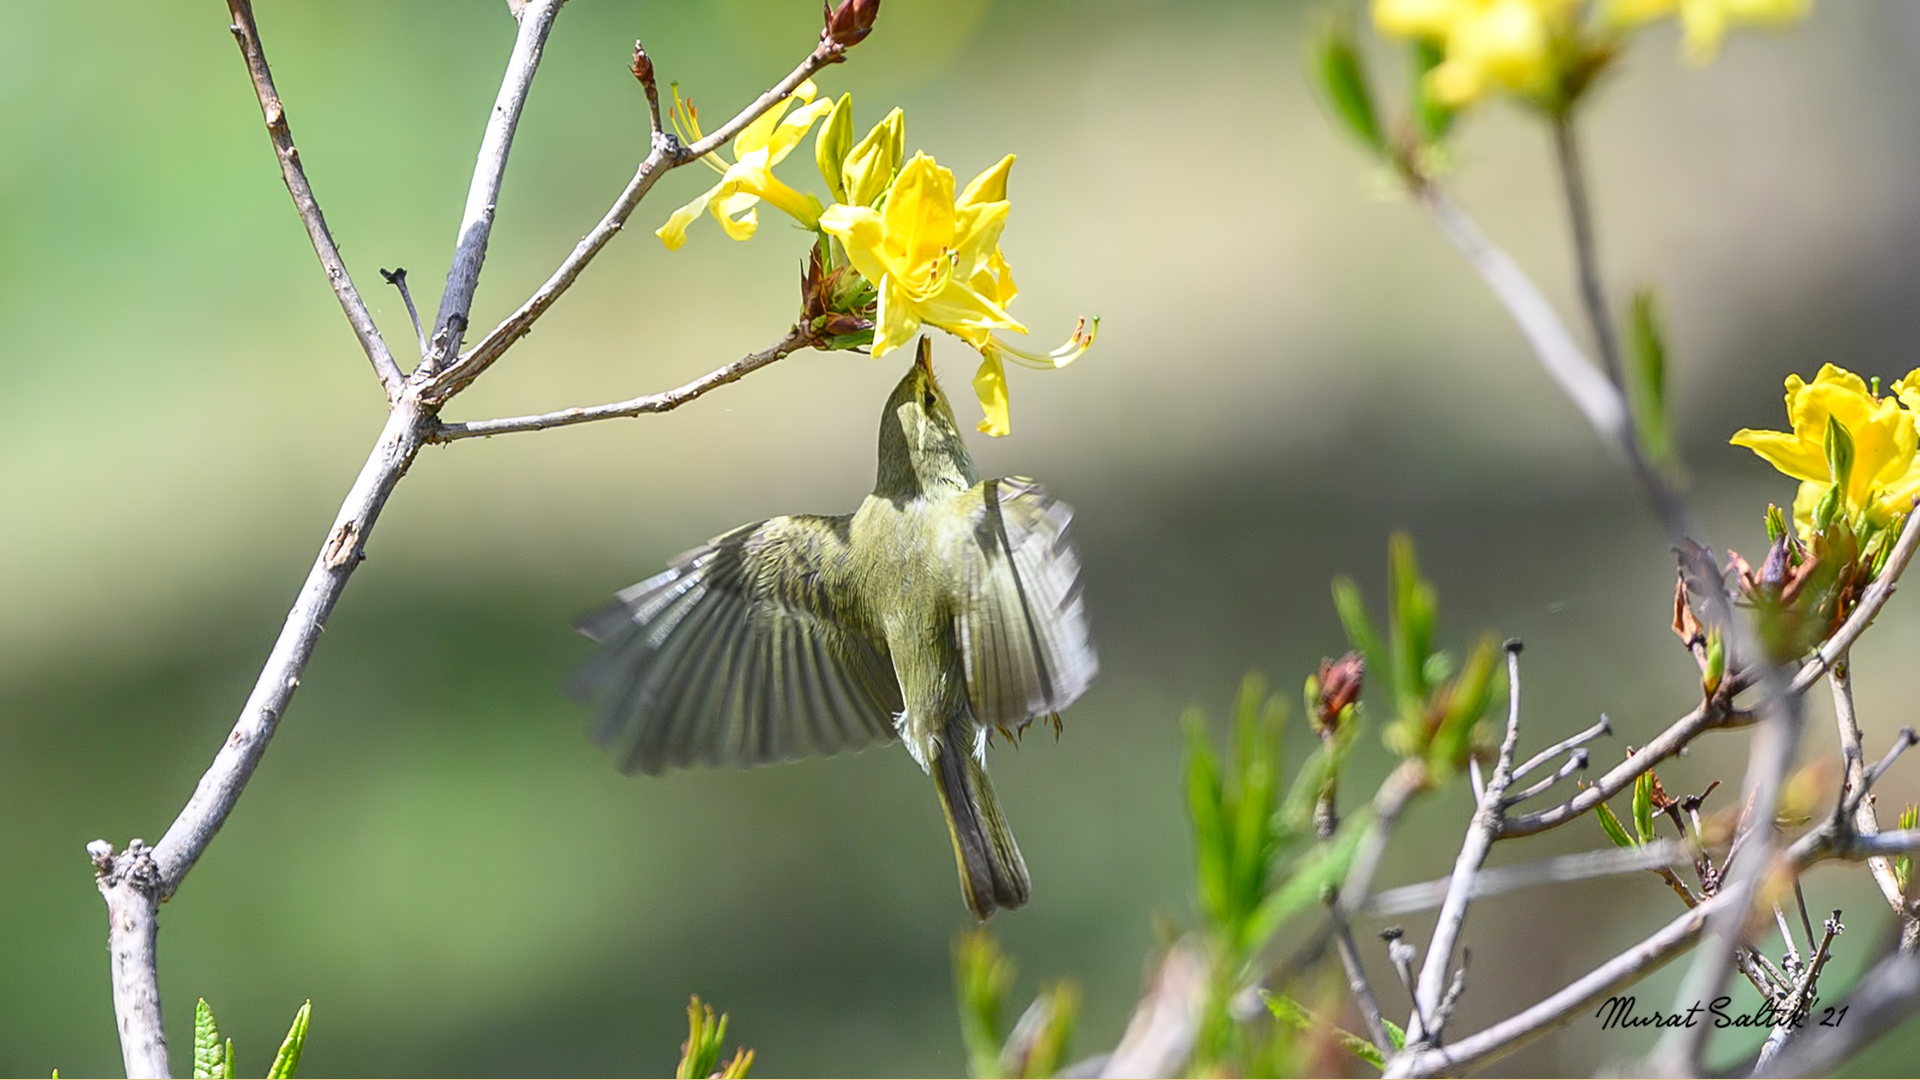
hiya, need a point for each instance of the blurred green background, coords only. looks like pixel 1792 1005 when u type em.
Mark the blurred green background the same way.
pixel 1291 365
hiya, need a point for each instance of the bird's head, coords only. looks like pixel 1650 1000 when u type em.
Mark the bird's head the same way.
pixel 921 450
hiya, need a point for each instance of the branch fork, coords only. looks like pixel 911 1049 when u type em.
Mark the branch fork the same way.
pixel 136 881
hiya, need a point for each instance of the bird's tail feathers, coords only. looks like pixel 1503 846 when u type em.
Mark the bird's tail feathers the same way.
pixel 992 873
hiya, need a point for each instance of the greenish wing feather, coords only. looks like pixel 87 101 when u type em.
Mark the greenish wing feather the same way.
pixel 1022 627
pixel 736 655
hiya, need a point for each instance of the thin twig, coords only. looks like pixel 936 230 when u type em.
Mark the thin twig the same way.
pixel 795 340
pixel 664 155
pixel 1554 870
pixel 1713 715
pixel 1407 779
pixel 247 34
pixel 1359 985
pixel 1498 1040
pixel 483 193
pixel 1589 390
pixel 1883 999
pixel 1481 833
pixel 397 277
pixel 1901 744
pixel 1802 997
pixel 1586 252
pixel 1576 762
pixel 1604 727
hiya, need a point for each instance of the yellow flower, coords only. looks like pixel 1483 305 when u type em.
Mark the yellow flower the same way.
pixel 935 260
pixel 1490 44
pixel 1705 22
pixel 1886 470
pixel 756 150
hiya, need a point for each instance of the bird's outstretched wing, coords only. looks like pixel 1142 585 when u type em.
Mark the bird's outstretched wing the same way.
pixel 738 655
pixel 1022 628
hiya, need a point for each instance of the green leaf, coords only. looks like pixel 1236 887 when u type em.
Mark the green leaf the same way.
pixel 288 1059
pixel 1352 609
pixel 1212 848
pixel 982 976
pixel 1472 693
pixel 700 1055
pixel 1716 668
pixel 1776 524
pixel 207 1054
pixel 1257 734
pixel 1395 1033
pixel 1827 509
pixel 1336 63
pixel 1903 865
pixel 1409 623
pixel 1647 378
pixel 1643 806
pixel 226 1062
pixel 1433 119
pixel 1615 831
pixel 1838 444
pixel 1323 763
pixel 1295 1015
pixel 1321 868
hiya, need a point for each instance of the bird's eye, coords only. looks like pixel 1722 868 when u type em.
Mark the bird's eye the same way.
pixel 929 399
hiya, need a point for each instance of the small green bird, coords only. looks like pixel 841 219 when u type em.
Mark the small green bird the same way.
pixel 944 607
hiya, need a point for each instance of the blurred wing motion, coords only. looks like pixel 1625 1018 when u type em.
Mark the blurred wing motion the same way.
pixel 737 655
pixel 1022 628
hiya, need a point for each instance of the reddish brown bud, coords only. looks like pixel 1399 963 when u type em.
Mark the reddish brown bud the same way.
pixel 642 65
pixel 1340 683
pixel 849 22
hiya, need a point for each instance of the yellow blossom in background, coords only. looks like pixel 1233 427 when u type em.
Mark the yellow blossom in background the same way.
pixel 756 150
pixel 935 260
pixel 1706 22
pixel 1489 44
pixel 1886 469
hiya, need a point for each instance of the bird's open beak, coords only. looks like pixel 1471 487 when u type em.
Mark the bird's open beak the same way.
pixel 925 359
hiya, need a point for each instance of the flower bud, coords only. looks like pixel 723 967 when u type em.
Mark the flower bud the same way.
pixel 830 147
pixel 642 65
pixel 849 23
pixel 1336 687
pixel 870 165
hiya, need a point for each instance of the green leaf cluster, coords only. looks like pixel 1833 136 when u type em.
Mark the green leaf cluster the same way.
pixel 213 1055
pixel 1037 1045
pixel 1438 703
pixel 700 1054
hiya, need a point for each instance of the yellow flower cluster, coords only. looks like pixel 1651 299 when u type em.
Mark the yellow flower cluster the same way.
pixel 1705 22
pixel 1882 434
pixel 934 259
pixel 1530 47
pixel 1489 44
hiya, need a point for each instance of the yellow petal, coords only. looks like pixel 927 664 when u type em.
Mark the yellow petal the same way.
pixel 1804 502
pixel 1789 453
pixel 896 322
pixel 919 216
pixel 1416 18
pixel 990 385
pixel 674 232
pixel 989 186
pixel 1908 390
pixel 860 231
